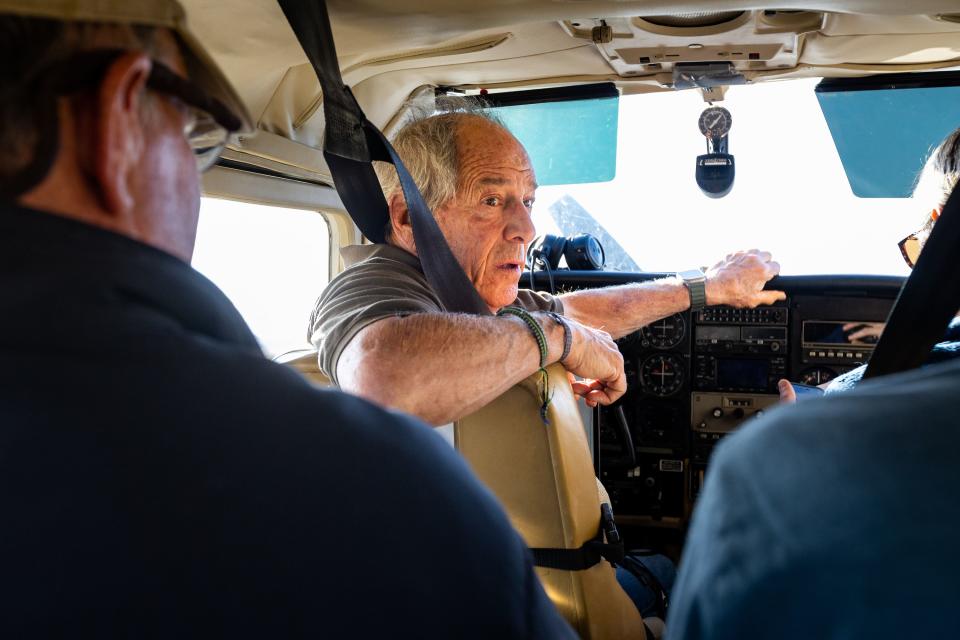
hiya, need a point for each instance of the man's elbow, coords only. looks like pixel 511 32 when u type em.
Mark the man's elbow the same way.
pixel 379 378
pixel 366 373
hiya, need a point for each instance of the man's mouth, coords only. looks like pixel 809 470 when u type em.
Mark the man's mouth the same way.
pixel 511 266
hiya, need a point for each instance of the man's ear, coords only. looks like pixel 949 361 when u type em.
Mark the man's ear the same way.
pixel 120 136
pixel 401 229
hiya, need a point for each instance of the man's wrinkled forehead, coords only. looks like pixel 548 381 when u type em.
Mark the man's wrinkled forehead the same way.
pixel 488 153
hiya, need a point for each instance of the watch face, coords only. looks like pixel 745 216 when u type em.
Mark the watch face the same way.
pixel 715 122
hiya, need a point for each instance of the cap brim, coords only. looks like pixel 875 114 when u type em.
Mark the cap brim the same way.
pixel 205 73
pixel 201 68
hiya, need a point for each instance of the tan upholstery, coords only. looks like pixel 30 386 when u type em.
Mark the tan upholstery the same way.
pixel 306 363
pixel 543 476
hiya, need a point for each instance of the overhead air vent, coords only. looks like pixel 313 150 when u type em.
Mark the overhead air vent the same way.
pixel 694 19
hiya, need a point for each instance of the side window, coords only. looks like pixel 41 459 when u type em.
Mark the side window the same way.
pixel 270 261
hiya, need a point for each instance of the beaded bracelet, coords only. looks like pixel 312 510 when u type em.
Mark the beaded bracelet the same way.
pixel 541 338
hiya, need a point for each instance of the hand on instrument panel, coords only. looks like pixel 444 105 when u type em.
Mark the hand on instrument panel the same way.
pixel 790 390
pixel 738 280
pixel 594 356
pixel 787 393
pixel 864 332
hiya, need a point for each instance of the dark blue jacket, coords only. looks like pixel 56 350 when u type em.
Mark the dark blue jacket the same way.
pixel 159 477
pixel 832 518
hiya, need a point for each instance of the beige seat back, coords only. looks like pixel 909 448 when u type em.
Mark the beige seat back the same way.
pixel 306 362
pixel 543 476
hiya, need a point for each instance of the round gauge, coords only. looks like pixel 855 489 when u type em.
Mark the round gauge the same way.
pixel 715 122
pixel 666 333
pixel 817 376
pixel 661 375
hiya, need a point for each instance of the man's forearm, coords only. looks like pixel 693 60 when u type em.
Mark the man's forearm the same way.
pixel 441 367
pixel 624 309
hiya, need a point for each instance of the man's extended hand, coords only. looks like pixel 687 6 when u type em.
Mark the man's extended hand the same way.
pixel 595 357
pixel 738 280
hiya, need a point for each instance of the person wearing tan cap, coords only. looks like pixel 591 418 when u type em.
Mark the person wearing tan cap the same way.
pixel 159 476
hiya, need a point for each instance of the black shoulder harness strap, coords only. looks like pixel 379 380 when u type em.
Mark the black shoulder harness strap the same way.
pixel 927 302
pixel 590 553
pixel 351 143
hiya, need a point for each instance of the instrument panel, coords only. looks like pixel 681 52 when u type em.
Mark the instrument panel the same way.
pixel 693 378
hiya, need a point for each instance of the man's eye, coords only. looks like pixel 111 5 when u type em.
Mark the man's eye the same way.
pixel 492 201
pixel 528 203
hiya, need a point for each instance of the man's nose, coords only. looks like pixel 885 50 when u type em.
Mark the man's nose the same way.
pixel 520 227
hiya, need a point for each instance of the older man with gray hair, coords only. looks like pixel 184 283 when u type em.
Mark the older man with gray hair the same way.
pixel 383 334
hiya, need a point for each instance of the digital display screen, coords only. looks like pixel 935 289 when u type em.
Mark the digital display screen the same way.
pixel 764 333
pixel 718 333
pixel 742 374
pixel 842 333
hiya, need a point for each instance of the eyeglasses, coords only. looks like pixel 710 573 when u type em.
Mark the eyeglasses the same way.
pixel 209 122
pixel 911 246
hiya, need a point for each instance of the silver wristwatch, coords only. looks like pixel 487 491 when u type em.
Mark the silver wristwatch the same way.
pixel 696 283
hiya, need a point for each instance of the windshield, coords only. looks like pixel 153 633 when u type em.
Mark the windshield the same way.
pixel 791 196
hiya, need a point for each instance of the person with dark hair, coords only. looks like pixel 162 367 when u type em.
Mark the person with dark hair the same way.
pixel 159 476
pixel 835 518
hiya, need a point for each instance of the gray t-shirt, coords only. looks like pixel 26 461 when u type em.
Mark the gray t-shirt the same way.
pixel 381 281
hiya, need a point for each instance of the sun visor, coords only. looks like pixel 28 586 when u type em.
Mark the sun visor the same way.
pixel 886 126
pixel 570 133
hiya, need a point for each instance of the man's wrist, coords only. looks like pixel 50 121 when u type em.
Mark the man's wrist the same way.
pixel 696 284
pixel 534 327
pixel 567 334
pixel 711 288
pixel 554 333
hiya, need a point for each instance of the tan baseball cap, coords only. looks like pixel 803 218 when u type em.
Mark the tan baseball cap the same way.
pixel 152 13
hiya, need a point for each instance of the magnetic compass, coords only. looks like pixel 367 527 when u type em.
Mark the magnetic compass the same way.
pixel 715 122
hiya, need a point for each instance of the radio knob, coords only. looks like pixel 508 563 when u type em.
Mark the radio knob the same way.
pixel 717 413
pixel 775 346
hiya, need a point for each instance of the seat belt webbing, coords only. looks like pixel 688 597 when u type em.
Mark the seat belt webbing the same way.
pixel 927 302
pixel 590 552
pixel 351 143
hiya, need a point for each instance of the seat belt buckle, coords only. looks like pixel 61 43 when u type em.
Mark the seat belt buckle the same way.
pixel 609 526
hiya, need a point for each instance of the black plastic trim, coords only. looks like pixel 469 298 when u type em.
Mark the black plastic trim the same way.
pixel 828 285
pixel 269 173
pixel 927 80
pixel 553 94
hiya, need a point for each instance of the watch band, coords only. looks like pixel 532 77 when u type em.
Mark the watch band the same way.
pixel 696 283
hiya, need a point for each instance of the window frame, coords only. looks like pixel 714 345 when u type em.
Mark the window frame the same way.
pixel 247 186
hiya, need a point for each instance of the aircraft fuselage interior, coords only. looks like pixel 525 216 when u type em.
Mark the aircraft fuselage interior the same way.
pixel 631 120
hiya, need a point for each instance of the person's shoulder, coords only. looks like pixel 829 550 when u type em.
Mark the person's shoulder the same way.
pixel 538 301
pixel 268 402
pixel 836 424
pixel 380 273
pixel 380 257
pixel 827 482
